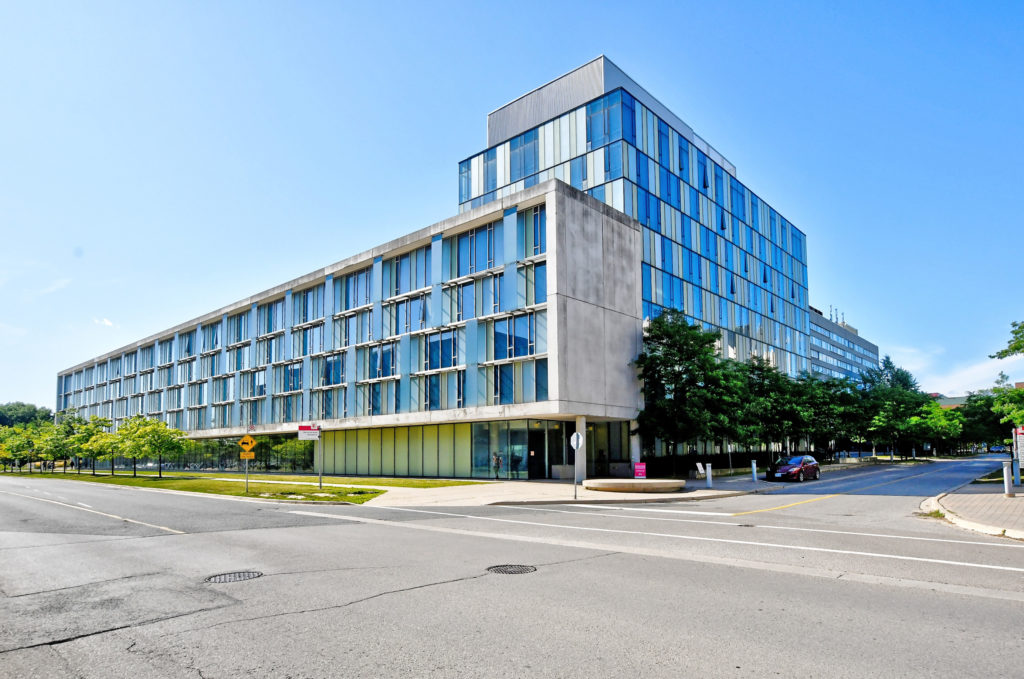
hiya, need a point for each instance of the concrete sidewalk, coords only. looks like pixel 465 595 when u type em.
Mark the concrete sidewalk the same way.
pixel 982 507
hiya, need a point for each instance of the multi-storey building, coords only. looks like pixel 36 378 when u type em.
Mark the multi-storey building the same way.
pixel 838 350
pixel 494 335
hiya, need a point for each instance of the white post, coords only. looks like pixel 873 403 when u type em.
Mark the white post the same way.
pixel 707 474
pixel 753 470
pixel 1007 491
pixel 320 449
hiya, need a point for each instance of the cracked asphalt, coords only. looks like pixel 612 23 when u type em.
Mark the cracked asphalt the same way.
pixel 832 578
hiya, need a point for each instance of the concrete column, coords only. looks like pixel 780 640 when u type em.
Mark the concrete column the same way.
pixel 634 442
pixel 581 454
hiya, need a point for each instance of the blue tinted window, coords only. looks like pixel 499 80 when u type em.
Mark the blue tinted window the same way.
pixel 447 345
pixel 463 255
pixel 719 190
pixel 433 352
pixel 542 379
pixel 465 180
pixel 490 170
pixel 628 118
pixel 434 392
pixel 645 275
pixel 613 161
pixel 522 335
pixel 684 159
pixel 578 171
pixel 500 340
pixel 642 169
pixel 540 272
pixel 506 384
pixel 664 155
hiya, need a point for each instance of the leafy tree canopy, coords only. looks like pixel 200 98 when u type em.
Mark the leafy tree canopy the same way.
pixel 23 413
pixel 1016 344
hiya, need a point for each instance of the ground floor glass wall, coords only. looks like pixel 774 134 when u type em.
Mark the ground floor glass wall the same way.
pixel 509 449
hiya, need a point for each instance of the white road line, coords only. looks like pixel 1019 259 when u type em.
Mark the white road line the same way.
pixel 781 568
pixel 85 505
pixel 1011 545
pixel 644 509
pixel 695 538
pixel 93 511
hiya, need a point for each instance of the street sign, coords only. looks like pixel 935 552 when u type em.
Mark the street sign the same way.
pixel 309 432
pixel 247 442
pixel 640 470
pixel 576 440
pixel 247 455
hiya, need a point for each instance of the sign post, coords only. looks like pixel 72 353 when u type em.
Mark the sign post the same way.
pixel 576 440
pixel 248 443
pixel 311 432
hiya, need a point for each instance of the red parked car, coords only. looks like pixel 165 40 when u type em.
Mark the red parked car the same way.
pixel 797 467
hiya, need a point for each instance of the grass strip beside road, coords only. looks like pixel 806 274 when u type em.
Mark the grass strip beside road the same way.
pixel 313 478
pixel 264 491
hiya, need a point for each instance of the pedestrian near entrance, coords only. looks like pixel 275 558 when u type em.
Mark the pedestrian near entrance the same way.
pixel 496 463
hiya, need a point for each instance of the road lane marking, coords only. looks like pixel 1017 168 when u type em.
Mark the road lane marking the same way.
pixel 85 505
pixel 1011 545
pixel 696 538
pixel 644 509
pixel 844 492
pixel 93 511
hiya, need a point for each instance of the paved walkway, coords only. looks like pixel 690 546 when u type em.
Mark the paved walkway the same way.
pixel 982 507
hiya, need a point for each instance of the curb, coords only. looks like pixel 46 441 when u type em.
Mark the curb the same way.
pixel 957 520
pixel 637 501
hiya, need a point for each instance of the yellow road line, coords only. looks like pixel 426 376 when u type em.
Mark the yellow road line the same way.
pixel 825 497
pixel 93 511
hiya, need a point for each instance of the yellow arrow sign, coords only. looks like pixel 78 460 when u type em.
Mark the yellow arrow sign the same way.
pixel 247 442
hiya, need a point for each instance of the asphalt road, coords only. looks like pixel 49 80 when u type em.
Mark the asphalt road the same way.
pixel 836 577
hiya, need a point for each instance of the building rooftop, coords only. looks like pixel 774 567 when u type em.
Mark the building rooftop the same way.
pixel 575 88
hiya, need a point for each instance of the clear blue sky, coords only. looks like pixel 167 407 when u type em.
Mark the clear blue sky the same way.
pixel 159 160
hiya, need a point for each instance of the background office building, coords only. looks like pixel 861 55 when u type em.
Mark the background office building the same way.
pixel 500 331
pixel 838 350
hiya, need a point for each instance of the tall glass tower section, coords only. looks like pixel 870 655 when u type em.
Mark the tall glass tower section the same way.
pixel 711 247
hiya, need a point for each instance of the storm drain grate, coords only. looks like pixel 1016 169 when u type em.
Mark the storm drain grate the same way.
pixel 237 576
pixel 511 569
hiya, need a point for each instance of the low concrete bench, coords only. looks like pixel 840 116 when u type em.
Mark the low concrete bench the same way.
pixel 635 485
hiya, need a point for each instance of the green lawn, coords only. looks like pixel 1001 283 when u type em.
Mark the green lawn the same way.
pixel 313 478
pixel 193 484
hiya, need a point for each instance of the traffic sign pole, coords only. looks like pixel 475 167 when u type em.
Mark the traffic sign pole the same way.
pixel 247 443
pixel 576 440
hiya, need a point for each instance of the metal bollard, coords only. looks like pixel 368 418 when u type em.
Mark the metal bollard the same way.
pixel 1007 477
pixel 707 476
pixel 753 470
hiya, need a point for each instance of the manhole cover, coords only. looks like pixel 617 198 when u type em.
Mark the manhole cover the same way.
pixel 511 569
pixel 237 576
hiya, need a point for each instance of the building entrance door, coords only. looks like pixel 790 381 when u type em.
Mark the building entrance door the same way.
pixel 536 460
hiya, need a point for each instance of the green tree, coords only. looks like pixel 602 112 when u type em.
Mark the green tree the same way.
pixel 162 440
pixel 982 425
pixel 53 443
pixel 769 414
pixel 6 456
pixel 132 439
pixel 683 381
pixel 21 445
pixel 1008 402
pixel 84 433
pixel 937 425
pixel 1016 343
pixel 101 446
pixel 23 413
